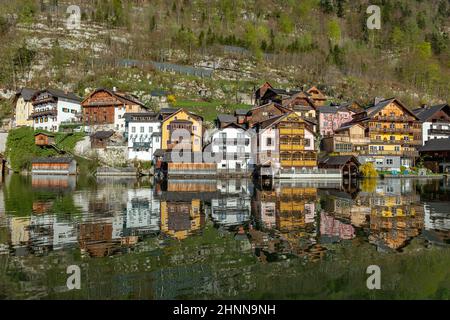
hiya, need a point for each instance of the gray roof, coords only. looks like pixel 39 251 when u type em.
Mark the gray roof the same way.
pixel 226 118
pixel 427 112
pixel 63 94
pixel 330 109
pixel 52 160
pixel 26 93
pixel 141 117
pixel 102 134
pixel 241 112
pixel 169 110
pixel 337 160
pixel 436 145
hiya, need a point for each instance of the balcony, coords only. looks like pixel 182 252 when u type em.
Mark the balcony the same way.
pixel 389 153
pixel 44 113
pixel 439 131
pixel 299 163
pixel 393 118
pixel 292 131
pixel 354 139
pixel 396 130
pixel 291 147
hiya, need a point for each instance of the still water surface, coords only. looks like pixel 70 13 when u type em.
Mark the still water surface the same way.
pixel 234 239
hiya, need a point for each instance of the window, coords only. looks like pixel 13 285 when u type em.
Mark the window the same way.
pixel 397 148
pixel 142 129
pixel 406 138
pixel 389 162
pixel 269 142
pixel 307 142
pixel 150 129
pixel 133 129
pixel 392 138
pixel 381 148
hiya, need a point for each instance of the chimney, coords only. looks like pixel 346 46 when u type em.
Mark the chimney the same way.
pixel 114 89
pixel 424 106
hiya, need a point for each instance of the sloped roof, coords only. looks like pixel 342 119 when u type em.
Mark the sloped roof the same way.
pixel 337 160
pixel 121 96
pixel 52 160
pixel 241 112
pixel 426 113
pixel 102 134
pixel 26 93
pixel 226 118
pixel 60 94
pixel 436 145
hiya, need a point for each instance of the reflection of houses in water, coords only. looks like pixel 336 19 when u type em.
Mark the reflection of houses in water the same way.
pixel 19 229
pixel 345 206
pixel 287 213
pixel 232 207
pixel 48 182
pixel 142 213
pixel 46 233
pixel 396 215
pixel 334 230
pixel 96 238
pixel 181 206
pixel 437 222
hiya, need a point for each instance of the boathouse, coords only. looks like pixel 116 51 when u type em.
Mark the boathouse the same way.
pixel 348 165
pixel 54 166
pixel 436 155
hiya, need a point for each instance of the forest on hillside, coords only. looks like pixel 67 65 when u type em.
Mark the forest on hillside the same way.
pixel 293 42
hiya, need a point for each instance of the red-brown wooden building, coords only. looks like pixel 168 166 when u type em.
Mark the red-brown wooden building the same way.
pixel 105 107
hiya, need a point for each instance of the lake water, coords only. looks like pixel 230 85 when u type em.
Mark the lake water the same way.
pixel 223 239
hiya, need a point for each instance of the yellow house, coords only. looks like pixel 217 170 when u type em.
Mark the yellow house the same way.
pixel 393 129
pixel 23 107
pixel 182 127
pixel 296 143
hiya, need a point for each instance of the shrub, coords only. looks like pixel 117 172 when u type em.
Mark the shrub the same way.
pixel 368 170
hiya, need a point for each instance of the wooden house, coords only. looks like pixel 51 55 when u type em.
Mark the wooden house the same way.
pixel 265 112
pixel 54 166
pixel 106 109
pixel 318 96
pixel 44 139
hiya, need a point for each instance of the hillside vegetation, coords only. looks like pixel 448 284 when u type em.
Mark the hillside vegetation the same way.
pixel 290 43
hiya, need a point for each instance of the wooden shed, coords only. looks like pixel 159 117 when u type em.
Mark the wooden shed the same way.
pixel 54 166
pixel 44 139
pixel 100 139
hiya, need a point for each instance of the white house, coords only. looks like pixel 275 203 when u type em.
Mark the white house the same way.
pixel 234 144
pixel 53 107
pixel 435 122
pixel 143 131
